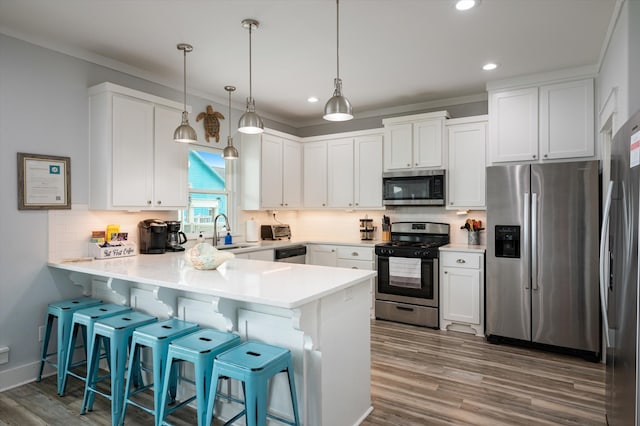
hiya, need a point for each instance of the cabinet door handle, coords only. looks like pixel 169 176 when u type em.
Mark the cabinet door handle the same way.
pixel 149 202
pixel 534 156
pixel 357 204
pixel 416 164
pixel 408 164
pixel 159 202
pixel 545 156
pixel 461 261
pixel 333 250
pixel 446 272
pixel 323 204
pixel 286 204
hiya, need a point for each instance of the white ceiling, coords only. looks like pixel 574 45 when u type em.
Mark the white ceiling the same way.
pixel 392 52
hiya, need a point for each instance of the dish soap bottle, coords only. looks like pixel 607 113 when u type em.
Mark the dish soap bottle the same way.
pixel 227 239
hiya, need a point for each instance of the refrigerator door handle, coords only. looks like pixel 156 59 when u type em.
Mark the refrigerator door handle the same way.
pixel 604 237
pixel 534 241
pixel 527 212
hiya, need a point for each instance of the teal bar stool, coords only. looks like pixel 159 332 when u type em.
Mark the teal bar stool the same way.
pixel 254 364
pixel 157 337
pixel 84 319
pixel 200 349
pixel 115 334
pixel 63 312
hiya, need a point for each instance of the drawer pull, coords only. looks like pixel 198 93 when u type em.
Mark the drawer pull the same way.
pixel 404 308
pixel 354 267
pixel 355 253
pixel 461 261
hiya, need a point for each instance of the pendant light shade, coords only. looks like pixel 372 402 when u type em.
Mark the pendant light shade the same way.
pixel 185 133
pixel 338 108
pixel 250 122
pixel 230 152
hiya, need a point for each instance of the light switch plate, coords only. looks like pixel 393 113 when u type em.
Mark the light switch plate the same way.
pixel 4 354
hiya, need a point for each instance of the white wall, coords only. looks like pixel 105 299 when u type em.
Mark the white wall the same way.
pixel 44 110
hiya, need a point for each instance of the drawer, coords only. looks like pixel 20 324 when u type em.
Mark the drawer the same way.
pixel 355 264
pixel 410 314
pixel 359 253
pixel 455 259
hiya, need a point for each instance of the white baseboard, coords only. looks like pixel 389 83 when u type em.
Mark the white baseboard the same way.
pixel 24 374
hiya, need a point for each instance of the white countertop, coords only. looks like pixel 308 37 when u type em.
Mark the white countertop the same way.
pixel 278 284
pixel 464 247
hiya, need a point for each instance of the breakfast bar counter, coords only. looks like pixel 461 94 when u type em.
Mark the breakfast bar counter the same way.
pixel 321 314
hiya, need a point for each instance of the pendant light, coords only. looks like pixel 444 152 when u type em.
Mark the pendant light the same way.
pixel 250 122
pixel 230 152
pixel 185 133
pixel 338 108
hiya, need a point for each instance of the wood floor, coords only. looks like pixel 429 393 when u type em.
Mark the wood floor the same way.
pixel 418 377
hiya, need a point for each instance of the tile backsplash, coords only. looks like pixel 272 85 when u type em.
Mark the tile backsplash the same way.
pixel 70 230
pixel 336 225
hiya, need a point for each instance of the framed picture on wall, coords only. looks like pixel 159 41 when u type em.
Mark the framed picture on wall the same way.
pixel 44 182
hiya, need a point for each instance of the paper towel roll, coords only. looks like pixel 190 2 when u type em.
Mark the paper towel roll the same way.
pixel 251 235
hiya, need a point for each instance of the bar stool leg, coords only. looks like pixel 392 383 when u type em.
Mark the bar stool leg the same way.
pixel 292 389
pixel 45 346
pixel 118 365
pixel 92 372
pixel 202 390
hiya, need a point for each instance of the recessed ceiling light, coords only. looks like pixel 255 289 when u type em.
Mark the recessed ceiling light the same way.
pixel 466 4
pixel 312 99
pixel 489 66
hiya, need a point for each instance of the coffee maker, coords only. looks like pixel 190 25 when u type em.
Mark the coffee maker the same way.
pixel 174 236
pixel 152 235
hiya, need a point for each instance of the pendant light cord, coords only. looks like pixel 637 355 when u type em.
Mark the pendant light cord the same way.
pixel 338 39
pixel 229 118
pixel 250 65
pixel 184 79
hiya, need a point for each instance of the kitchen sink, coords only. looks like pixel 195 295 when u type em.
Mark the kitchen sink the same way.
pixel 236 246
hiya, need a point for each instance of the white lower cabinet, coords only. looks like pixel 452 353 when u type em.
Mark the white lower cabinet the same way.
pixel 462 291
pixel 353 257
pixel 322 255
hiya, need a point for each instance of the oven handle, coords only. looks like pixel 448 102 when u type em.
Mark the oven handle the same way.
pixel 404 308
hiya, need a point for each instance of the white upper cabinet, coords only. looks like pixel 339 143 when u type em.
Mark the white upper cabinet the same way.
pixel 271 167
pixel 566 120
pixel 367 186
pixel 514 125
pixel 340 172
pixel 344 172
pixel 353 171
pixel 414 141
pixel 549 121
pixel 315 174
pixel 466 174
pixel 134 162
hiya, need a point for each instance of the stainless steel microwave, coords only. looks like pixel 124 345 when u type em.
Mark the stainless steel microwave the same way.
pixel 413 188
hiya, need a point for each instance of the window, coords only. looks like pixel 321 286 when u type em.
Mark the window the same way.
pixel 209 193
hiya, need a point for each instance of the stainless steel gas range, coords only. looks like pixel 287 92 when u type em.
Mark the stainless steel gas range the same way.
pixel 408 274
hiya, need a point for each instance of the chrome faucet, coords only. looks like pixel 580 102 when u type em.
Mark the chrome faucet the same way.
pixel 215 227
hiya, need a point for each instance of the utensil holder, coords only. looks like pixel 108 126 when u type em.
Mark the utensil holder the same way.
pixel 473 238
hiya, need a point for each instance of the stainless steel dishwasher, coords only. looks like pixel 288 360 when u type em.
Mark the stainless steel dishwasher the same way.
pixel 291 254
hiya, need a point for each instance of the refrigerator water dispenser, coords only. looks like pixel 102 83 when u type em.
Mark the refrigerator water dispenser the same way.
pixel 508 241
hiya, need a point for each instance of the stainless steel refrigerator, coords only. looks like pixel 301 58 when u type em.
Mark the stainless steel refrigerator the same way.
pixel 622 311
pixel 542 251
